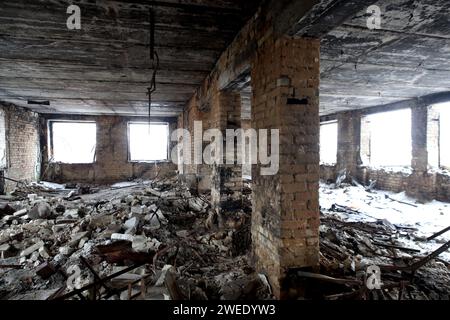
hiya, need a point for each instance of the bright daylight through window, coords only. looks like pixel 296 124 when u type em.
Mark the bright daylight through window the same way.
pixel 73 142
pixel 390 138
pixel 328 142
pixel 148 144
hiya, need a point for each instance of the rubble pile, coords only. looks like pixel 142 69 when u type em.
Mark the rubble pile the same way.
pixel 153 240
pixel 158 240
pixel 351 247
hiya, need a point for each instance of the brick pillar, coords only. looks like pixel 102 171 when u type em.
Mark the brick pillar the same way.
pixel 285 220
pixel 226 189
pixel 349 141
pixel 421 185
pixel 419 138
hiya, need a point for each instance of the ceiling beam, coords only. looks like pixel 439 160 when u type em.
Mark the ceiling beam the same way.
pixel 325 16
pixel 422 101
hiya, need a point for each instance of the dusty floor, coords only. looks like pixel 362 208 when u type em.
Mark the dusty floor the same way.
pixel 168 243
pixel 46 230
pixel 360 229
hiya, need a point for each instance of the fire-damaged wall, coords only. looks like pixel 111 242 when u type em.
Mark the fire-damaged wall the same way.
pixel 19 145
pixel 418 181
pixel 112 157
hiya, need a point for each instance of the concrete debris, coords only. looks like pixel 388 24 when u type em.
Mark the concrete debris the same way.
pixel 66 251
pixel 197 204
pixel 41 210
pixel 162 278
pixel 20 213
pixel 124 237
pixel 131 223
pixel 352 241
pixel 44 253
pixel 33 248
pixel 144 244
pixel 141 227
pixel 175 245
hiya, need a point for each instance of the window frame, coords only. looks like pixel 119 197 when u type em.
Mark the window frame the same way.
pixel 369 163
pixel 51 145
pixel 167 124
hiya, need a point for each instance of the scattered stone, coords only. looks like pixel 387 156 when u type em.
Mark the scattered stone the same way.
pixel 40 211
pixel 163 275
pixel 8 218
pixel 82 242
pixel 32 249
pixel 196 204
pixel 66 250
pixel 44 253
pixel 138 209
pixel 128 228
pixel 20 213
pixel 71 214
pixel 34 256
pixel 153 192
pixel 32 197
pixel 144 244
pixel 75 239
pixel 59 259
pixel 101 220
pixel 131 223
pixel 124 237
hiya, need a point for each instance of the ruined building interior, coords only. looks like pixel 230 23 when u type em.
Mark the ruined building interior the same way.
pixel 107 109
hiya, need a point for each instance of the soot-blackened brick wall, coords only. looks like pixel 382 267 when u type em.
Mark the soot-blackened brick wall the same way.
pixel 111 163
pixel 419 182
pixel 285 221
pixel 21 144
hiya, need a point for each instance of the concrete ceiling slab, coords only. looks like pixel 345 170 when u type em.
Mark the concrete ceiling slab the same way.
pixel 407 58
pixel 104 68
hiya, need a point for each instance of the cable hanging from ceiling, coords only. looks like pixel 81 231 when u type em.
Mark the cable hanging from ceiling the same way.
pixel 154 60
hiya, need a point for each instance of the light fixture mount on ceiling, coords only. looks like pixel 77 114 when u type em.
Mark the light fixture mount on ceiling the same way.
pixel 39 103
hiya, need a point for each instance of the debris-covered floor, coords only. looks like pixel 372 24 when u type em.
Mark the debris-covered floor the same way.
pixel 362 228
pixel 158 240
pixel 49 233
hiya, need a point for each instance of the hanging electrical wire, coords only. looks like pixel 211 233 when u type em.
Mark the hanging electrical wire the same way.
pixel 154 59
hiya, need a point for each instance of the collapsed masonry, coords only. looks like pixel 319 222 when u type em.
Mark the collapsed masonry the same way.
pixel 156 240
pixel 167 240
pixel 153 227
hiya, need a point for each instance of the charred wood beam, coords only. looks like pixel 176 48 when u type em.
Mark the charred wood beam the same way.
pixel 437 234
pixel 97 283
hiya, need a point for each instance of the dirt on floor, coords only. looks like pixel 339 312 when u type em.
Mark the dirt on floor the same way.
pixel 54 240
pixel 158 240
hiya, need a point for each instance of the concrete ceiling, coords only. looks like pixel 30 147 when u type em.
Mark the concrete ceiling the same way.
pixel 104 68
pixel 407 58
